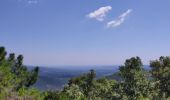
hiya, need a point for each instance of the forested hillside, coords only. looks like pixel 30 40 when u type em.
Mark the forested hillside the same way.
pixel 134 83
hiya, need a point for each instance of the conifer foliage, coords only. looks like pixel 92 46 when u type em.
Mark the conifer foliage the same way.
pixel 161 73
pixel 135 82
pixel 14 75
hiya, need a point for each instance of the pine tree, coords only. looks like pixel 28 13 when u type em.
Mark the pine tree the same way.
pixel 22 75
pixel 2 54
pixel 161 73
pixel 134 84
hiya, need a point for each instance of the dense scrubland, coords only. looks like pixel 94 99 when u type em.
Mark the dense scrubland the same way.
pixel 134 83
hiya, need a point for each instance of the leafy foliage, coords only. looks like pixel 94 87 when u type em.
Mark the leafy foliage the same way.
pixel 14 76
pixel 133 82
pixel 161 73
pixel 100 89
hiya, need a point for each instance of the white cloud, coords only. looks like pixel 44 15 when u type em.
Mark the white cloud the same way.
pixel 29 1
pixel 100 13
pixel 32 1
pixel 119 20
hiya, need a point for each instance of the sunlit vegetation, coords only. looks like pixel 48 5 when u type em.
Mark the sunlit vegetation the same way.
pixel 134 82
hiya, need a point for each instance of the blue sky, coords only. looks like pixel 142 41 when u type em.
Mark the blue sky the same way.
pixel 62 32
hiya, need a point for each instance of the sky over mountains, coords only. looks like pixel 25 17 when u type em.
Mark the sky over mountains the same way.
pixel 89 32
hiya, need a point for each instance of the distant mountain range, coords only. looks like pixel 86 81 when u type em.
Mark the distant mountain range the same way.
pixel 57 77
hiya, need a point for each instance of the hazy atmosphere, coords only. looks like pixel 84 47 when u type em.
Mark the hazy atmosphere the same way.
pixel 84 50
pixel 100 32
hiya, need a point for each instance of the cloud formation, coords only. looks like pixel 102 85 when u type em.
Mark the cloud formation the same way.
pixel 119 20
pixel 29 1
pixel 32 1
pixel 100 13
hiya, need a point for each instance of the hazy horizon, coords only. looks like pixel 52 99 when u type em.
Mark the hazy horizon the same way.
pixel 98 32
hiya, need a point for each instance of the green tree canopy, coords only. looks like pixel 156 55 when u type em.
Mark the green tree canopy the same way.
pixel 161 73
pixel 134 84
pixel 14 75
